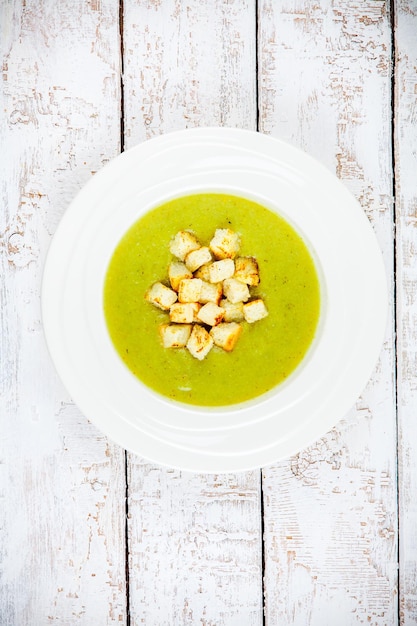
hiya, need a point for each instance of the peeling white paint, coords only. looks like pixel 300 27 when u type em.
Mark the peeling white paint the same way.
pixel 195 541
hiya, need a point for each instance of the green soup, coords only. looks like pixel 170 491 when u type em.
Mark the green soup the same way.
pixel 267 351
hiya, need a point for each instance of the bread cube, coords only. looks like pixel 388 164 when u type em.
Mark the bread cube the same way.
pixel 161 296
pixel 200 343
pixel 225 335
pixel 197 258
pixel 176 272
pixel 189 290
pixel 247 270
pixel 183 243
pixel 175 335
pixel 210 292
pixel 203 272
pixel 210 314
pixel 233 312
pixel 254 310
pixel 220 270
pixel 196 306
pixel 183 312
pixel 235 291
pixel 225 244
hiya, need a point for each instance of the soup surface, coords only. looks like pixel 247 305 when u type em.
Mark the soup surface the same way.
pixel 267 352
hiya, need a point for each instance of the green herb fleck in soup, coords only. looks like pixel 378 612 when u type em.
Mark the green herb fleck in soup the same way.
pixel 182 246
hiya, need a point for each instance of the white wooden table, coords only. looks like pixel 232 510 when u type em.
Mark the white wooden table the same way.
pixel 92 535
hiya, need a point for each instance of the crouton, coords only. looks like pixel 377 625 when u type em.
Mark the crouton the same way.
pixel 175 335
pixel 225 335
pixel 183 312
pixel 233 312
pixel 220 270
pixel 161 296
pixel 203 272
pixel 225 244
pixel 176 272
pixel 235 291
pixel 197 258
pixel 210 292
pixel 183 243
pixel 200 343
pixel 189 290
pixel 210 287
pixel 254 310
pixel 196 307
pixel 246 270
pixel 210 314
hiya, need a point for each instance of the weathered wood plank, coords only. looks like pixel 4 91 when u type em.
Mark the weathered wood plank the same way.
pixel 62 504
pixel 330 511
pixel 406 209
pixel 194 540
pixel 195 547
pixel 188 64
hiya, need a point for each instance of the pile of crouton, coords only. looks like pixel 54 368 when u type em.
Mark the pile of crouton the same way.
pixel 209 295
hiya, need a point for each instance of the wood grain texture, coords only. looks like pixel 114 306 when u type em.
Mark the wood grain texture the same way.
pixel 330 512
pixel 406 209
pixel 194 540
pixel 62 500
pixel 188 64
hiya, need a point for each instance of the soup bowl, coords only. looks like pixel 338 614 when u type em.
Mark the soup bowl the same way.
pixel 353 300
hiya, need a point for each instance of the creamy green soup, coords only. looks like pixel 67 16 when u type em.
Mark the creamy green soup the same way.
pixel 266 352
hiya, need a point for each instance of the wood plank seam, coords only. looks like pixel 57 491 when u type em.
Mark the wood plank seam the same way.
pixel 404 103
pixel 392 13
pixel 126 477
pixel 126 528
pixel 261 491
pixel 258 82
pixel 122 92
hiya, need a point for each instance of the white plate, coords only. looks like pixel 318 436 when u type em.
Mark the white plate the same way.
pixel 354 295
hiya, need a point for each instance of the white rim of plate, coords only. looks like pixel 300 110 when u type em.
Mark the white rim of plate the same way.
pixel 354 295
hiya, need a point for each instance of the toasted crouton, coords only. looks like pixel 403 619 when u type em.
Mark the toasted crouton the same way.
pixel 183 312
pixel 254 310
pixel 210 292
pixel 246 270
pixel 225 335
pixel 225 244
pixel 196 307
pixel 175 335
pixel 176 272
pixel 183 243
pixel 210 314
pixel 220 270
pixel 200 343
pixel 189 290
pixel 235 290
pixel 161 296
pixel 233 312
pixel 197 258
pixel 203 272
